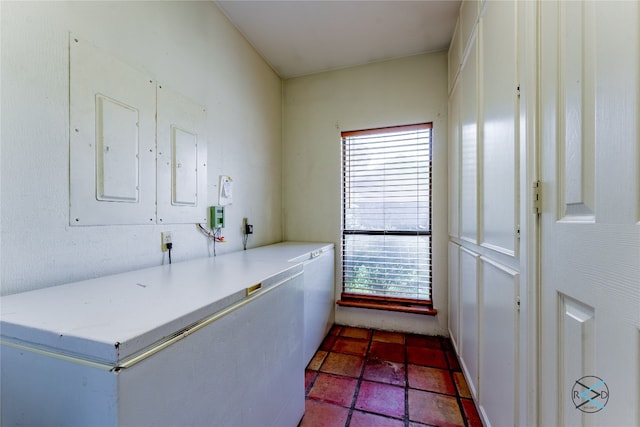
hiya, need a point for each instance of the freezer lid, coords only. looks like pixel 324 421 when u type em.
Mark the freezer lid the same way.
pixel 108 319
pixel 293 251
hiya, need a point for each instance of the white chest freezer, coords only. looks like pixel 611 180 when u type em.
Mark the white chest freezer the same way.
pixel 319 290
pixel 210 342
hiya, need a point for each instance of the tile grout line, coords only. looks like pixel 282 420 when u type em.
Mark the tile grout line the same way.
pixel 360 378
pixel 455 385
pixel 406 421
pixel 406 382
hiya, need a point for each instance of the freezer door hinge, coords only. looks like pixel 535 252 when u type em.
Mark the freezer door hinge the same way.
pixel 537 197
pixel 518 304
pixel 518 232
pixel 518 91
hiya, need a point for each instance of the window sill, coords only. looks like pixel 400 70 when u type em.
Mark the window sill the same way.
pixel 404 307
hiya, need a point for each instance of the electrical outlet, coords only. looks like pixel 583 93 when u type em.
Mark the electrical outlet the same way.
pixel 166 238
pixel 246 227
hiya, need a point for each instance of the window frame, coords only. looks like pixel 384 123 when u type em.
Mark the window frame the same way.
pixel 393 303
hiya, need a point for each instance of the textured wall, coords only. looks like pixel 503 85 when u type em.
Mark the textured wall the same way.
pixel 189 46
pixel 316 109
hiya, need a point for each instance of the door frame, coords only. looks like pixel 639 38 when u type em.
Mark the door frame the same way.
pixel 528 72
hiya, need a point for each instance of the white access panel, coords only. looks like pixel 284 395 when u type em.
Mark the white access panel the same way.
pixel 116 150
pixel 468 183
pixel 184 146
pixel 469 315
pixel 111 139
pixel 498 150
pixel 455 102
pixel 454 294
pixel 498 358
pixel 182 159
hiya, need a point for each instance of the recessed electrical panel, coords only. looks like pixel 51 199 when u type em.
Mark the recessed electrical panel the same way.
pixel 184 167
pixel 117 151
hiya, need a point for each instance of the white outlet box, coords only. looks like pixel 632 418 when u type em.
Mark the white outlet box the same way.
pixel 166 238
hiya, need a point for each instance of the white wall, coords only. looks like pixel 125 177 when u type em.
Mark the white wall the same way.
pixel 190 47
pixel 316 109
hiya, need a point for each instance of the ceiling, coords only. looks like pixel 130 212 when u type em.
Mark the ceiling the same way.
pixel 299 37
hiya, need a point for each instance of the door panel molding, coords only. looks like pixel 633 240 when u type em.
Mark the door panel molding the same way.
pixel 576 352
pixel 576 112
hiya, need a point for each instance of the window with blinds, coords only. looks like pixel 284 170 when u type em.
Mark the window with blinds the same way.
pixel 386 227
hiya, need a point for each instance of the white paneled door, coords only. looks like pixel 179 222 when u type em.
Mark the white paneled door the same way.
pixel 590 213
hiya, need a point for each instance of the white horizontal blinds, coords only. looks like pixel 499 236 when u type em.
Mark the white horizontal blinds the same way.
pixel 387 266
pixel 387 212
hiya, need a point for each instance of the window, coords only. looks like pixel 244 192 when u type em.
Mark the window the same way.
pixel 386 224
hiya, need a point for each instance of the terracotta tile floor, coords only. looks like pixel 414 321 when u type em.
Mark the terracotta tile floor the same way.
pixel 367 378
